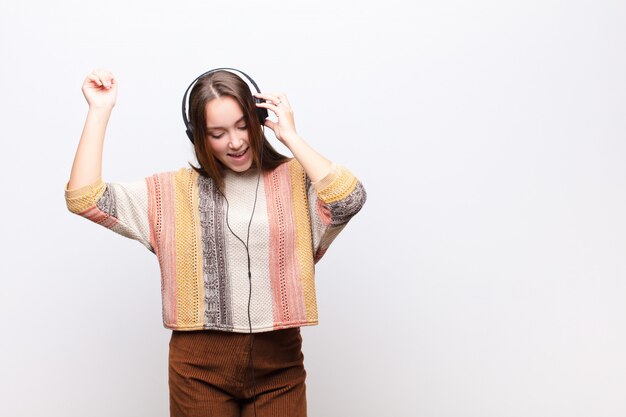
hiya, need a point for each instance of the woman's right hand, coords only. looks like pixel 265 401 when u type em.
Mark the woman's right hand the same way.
pixel 100 89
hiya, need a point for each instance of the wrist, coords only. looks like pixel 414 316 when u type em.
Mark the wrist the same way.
pixel 291 139
pixel 98 116
pixel 101 108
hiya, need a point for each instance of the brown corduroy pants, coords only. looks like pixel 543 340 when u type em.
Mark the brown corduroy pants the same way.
pixel 210 374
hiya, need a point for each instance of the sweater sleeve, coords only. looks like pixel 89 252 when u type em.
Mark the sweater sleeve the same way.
pixel 333 201
pixel 121 207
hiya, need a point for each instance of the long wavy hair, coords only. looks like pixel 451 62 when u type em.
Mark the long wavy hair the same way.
pixel 220 84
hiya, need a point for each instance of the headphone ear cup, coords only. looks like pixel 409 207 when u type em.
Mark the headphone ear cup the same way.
pixel 261 112
pixel 189 133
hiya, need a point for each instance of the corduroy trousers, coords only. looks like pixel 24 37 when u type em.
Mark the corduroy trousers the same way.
pixel 210 374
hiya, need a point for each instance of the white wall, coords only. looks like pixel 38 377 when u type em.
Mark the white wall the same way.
pixel 486 275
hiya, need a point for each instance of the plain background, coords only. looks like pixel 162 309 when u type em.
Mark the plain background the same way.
pixel 486 275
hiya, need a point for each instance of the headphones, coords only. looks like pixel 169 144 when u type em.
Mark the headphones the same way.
pixel 261 112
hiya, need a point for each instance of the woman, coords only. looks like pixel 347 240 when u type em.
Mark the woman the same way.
pixel 236 238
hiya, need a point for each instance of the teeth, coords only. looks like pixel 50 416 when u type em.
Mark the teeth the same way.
pixel 237 155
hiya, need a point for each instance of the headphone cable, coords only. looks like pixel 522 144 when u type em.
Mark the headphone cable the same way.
pixel 246 245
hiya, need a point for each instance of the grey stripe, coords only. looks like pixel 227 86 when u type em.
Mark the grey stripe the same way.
pixel 106 203
pixel 217 308
pixel 343 210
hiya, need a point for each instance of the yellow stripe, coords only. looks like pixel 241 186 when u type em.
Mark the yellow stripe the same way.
pixel 339 187
pixel 80 199
pixel 304 243
pixel 188 272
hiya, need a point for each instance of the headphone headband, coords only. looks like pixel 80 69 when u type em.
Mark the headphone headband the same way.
pixel 261 113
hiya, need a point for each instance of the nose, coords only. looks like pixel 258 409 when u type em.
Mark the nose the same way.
pixel 236 141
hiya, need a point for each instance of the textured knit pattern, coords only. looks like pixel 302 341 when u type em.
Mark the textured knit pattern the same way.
pixel 199 236
pixel 187 256
pixel 217 311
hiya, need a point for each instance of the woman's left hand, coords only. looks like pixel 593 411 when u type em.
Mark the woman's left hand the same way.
pixel 284 127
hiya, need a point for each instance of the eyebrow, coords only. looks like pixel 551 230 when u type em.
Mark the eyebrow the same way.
pixel 220 127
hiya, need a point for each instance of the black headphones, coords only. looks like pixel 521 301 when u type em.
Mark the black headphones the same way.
pixel 261 112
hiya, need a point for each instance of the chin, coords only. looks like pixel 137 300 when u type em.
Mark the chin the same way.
pixel 240 168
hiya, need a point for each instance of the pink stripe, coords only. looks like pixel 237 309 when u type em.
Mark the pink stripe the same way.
pixel 162 238
pixel 96 215
pixel 323 212
pixel 284 274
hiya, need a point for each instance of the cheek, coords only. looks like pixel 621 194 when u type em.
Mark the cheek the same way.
pixel 214 150
pixel 214 146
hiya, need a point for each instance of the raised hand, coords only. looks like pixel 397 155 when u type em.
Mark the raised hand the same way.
pixel 100 89
pixel 285 127
pixel 315 165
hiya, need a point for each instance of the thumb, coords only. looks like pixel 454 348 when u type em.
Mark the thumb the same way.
pixel 270 124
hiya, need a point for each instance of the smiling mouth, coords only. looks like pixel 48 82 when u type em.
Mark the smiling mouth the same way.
pixel 240 154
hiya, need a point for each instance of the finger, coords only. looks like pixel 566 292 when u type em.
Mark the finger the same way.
pixel 283 98
pixel 281 107
pixel 279 96
pixel 266 96
pixel 282 102
pixel 270 97
pixel 270 106
pixel 266 104
pixel 111 81
pixel 93 78
pixel 105 78
pixel 270 124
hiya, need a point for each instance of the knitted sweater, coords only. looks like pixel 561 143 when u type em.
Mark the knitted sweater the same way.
pixel 184 219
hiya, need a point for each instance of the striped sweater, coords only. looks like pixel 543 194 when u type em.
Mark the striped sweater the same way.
pixel 184 219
